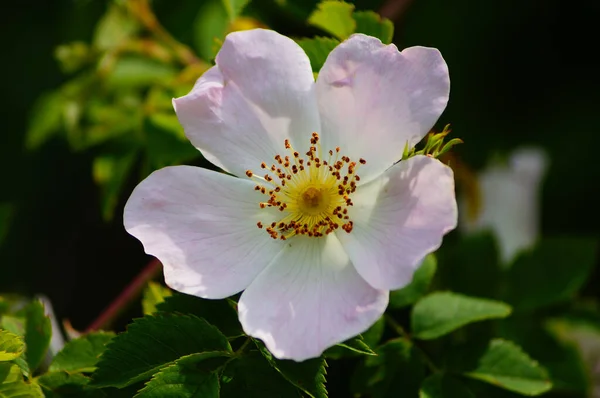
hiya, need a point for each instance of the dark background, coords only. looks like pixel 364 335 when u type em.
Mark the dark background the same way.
pixel 522 72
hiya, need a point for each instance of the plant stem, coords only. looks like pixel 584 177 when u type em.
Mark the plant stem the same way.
pixel 402 333
pixel 131 293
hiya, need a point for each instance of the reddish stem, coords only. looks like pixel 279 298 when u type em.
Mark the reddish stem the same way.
pixel 131 292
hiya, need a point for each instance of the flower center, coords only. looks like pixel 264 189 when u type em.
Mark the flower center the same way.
pixel 311 193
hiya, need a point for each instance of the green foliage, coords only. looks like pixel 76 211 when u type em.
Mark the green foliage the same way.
pixel 441 385
pixel 246 376
pixel 504 364
pixel 417 288
pixel 372 24
pixel 308 376
pixel 12 384
pixel 442 312
pixel 317 49
pixel 397 367
pixel 152 343
pixel 334 17
pixel 220 313
pixel 552 272
pixel 154 294
pixel 82 354
pixel 11 346
pixel 64 384
pixel 38 332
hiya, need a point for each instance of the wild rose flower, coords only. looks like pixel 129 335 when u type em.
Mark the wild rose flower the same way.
pixel 321 223
pixel 509 202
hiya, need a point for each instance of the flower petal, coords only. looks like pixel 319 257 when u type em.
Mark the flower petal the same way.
pixel 202 226
pixel 398 219
pixel 260 92
pixel 308 299
pixel 374 99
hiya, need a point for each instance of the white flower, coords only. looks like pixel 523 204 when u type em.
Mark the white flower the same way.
pixel 509 202
pixel 315 247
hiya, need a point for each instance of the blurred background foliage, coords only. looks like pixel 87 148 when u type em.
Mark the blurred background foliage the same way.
pixel 87 88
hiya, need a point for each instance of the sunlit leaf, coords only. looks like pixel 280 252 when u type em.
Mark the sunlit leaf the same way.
pixel 82 354
pixel 11 346
pixel 12 384
pixel 317 49
pixel 154 294
pixel 334 17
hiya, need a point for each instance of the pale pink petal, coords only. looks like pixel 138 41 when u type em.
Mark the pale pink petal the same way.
pixel 374 99
pixel 398 219
pixel 202 226
pixel 260 92
pixel 308 299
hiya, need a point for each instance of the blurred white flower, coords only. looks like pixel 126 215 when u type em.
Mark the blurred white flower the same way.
pixel 508 202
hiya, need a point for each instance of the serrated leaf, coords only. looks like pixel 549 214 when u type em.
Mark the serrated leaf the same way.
pixel 504 364
pixel 554 271
pixel 180 381
pixel 151 343
pixel 317 49
pixel 38 332
pixel 251 376
pixel 82 354
pixel 334 17
pixel 219 313
pixel 154 294
pixel 308 376
pixel 12 384
pixel 442 312
pixel 353 346
pixel 441 385
pixel 397 367
pixel 419 285
pixel 64 385
pixel 11 346
pixel 372 24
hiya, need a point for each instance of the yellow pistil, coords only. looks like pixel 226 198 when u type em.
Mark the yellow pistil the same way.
pixel 312 194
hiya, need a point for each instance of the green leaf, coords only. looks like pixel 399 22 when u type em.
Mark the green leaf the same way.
pixel 38 332
pixel 131 71
pixel 46 119
pixel 560 358
pixel 220 313
pixel 11 346
pixel 370 23
pixel 114 28
pixel 422 277
pixel 317 49
pixel 334 17
pixel 154 294
pixel 210 27
pixel 353 346
pixel 110 171
pixel 234 7
pixel 553 272
pixel 441 385
pixel 151 343
pixel 504 364
pixel 181 381
pixel 63 385
pixel 308 376
pixel 82 354
pixel 442 312
pixel 251 376
pixel 397 367
pixel 12 384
